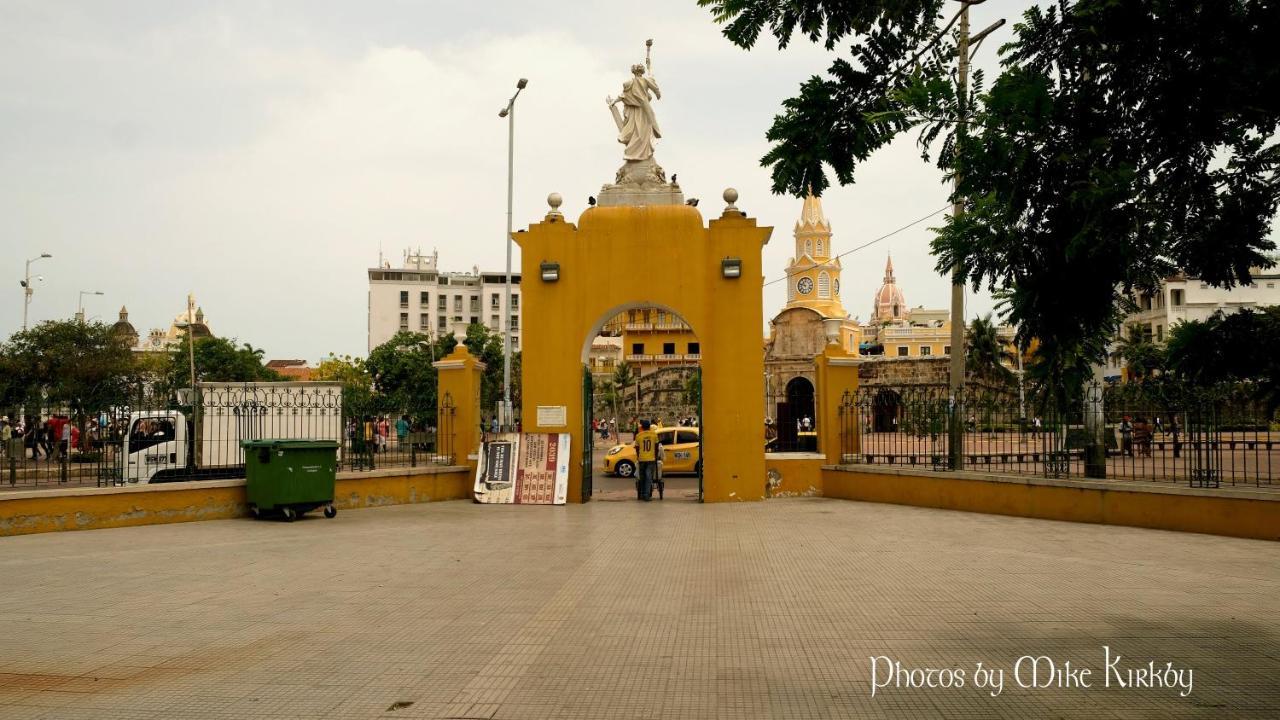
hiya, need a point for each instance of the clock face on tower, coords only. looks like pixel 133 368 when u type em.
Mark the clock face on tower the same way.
pixel 804 286
pixel 837 286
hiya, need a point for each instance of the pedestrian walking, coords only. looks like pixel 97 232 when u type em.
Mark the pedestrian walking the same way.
pixel 1126 436
pixel 402 429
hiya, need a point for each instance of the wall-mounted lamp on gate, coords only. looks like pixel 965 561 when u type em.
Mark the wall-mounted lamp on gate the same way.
pixel 550 271
pixel 731 268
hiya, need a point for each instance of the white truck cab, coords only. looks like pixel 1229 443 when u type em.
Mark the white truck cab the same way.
pixel 155 446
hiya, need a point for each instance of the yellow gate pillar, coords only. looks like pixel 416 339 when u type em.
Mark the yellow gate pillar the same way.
pixel 459 380
pixel 577 277
pixel 837 374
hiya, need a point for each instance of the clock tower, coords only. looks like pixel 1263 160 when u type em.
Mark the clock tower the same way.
pixel 813 275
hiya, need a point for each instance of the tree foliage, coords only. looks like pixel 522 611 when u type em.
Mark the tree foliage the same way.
pixel 1243 346
pixel 984 351
pixel 80 365
pixel 217 360
pixel 404 381
pixel 830 123
pixel 1122 142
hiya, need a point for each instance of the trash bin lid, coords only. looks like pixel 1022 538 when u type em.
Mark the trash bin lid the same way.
pixel 286 444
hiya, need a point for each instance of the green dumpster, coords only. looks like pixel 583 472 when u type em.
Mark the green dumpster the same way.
pixel 290 477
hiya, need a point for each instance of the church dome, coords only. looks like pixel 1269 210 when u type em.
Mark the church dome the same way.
pixel 890 304
pixel 124 329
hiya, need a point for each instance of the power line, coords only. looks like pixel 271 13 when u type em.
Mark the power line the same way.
pixel 873 242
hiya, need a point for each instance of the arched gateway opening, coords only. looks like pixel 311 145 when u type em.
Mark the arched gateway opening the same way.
pixel 643 362
pixel 577 277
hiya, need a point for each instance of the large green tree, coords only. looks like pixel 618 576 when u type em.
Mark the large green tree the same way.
pixel 217 360
pixel 1240 347
pixel 82 366
pixel 404 381
pixel 1123 141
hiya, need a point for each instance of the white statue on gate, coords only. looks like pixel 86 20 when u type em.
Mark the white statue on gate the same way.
pixel 640 180
pixel 637 126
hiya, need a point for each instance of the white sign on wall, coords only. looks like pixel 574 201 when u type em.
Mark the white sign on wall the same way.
pixel 553 416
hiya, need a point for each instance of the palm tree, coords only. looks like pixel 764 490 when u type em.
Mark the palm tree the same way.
pixel 623 378
pixel 984 352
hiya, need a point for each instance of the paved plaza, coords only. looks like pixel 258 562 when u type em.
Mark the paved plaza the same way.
pixel 628 610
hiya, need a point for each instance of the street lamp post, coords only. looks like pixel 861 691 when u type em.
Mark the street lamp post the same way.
pixel 26 287
pixel 963 56
pixel 509 112
pixel 80 303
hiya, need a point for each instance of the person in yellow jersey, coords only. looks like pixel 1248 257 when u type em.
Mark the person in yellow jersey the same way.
pixel 648 450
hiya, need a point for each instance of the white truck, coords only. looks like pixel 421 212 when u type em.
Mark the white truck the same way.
pixel 161 445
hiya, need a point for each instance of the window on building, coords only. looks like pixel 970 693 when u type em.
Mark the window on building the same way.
pixel 668 348
pixel 946 350
pixel 404 298
pixel 695 348
pixel 637 348
pixel 515 343
pixel 493 300
pixel 424 322
pixel 902 351
pixel 1271 286
pixel 404 321
pixel 925 350
pixel 1176 297
pixel 424 299
pixel 457 303
pixel 819 248
pixel 493 322
pixel 808 247
pixel 443 322
pixel 1159 333
pixel 515 302
pixel 515 323
pixel 631 316
pixel 475 320
pixel 824 284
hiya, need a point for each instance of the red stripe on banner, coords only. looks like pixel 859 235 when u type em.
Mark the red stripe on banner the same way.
pixel 553 449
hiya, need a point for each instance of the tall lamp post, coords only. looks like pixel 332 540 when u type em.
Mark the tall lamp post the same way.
pixel 964 55
pixel 26 287
pixel 80 303
pixel 509 112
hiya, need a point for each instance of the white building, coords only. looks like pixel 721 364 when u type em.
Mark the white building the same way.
pixel 418 297
pixel 1184 299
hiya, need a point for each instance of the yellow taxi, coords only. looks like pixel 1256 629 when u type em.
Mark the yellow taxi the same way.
pixel 679 444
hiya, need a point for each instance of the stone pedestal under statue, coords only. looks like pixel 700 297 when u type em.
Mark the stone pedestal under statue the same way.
pixel 638 183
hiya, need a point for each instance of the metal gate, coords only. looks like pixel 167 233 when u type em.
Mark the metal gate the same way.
pixel 702 458
pixel 588 434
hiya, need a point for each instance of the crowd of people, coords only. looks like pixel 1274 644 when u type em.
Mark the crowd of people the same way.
pixel 52 439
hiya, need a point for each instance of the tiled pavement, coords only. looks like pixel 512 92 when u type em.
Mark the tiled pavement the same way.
pixel 625 610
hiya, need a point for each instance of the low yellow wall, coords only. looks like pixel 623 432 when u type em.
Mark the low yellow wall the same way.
pixel 1235 512
pixel 800 474
pixel 37 511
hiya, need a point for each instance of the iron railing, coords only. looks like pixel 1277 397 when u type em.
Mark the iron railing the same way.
pixel 1163 432
pixel 159 439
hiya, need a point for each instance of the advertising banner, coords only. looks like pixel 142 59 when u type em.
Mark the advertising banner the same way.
pixel 525 469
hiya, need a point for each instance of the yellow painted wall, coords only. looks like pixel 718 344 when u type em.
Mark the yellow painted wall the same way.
pixel 800 476
pixel 459 377
pixel 655 256
pixel 1236 514
pixel 654 339
pixel 37 511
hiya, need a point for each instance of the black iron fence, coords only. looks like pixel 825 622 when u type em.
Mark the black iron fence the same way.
pixel 150 439
pixel 1157 432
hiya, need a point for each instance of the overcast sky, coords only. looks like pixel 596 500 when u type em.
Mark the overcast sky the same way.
pixel 261 154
